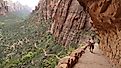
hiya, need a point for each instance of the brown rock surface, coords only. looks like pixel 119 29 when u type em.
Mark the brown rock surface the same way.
pixel 106 18
pixel 68 17
pixel 72 59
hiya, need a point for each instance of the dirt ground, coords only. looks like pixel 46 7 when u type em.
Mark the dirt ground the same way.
pixel 93 60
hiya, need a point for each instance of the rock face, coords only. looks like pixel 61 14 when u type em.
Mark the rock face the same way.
pixel 8 6
pixel 17 6
pixel 68 17
pixel 106 16
pixel 3 7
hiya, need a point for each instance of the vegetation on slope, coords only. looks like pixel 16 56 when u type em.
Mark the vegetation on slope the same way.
pixel 23 45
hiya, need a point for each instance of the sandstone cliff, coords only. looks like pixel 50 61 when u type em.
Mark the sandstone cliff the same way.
pixel 69 19
pixel 106 18
pixel 3 7
pixel 8 6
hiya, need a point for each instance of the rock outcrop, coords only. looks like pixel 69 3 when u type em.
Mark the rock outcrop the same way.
pixel 106 18
pixel 3 7
pixel 69 19
pixel 72 59
pixel 17 6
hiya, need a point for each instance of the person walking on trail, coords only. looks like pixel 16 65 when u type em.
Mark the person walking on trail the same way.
pixel 91 44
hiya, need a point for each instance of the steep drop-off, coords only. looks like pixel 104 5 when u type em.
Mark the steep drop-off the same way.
pixel 69 19
pixel 107 21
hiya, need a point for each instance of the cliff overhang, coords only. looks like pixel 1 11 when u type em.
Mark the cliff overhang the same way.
pixel 106 18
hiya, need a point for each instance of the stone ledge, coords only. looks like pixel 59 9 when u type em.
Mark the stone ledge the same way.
pixel 72 59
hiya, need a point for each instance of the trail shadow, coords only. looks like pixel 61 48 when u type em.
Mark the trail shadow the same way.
pixel 96 53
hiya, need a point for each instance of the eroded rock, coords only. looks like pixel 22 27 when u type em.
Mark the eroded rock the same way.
pixel 106 19
pixel 69 19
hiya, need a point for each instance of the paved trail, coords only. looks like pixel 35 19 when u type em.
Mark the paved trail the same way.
pixel 90 60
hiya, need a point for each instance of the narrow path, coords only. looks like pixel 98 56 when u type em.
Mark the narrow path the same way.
pixel 90 60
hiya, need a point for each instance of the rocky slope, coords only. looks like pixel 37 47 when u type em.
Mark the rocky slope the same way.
pixel 106 19
pixel 69 19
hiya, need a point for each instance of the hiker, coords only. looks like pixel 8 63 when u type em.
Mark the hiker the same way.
pixel 91 44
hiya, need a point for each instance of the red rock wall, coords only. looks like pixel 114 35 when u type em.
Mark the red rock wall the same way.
pixel 68 18
pixel 106 16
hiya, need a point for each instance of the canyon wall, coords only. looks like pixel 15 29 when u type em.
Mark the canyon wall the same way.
pixel 8 6
pixel 69 19
pixel 106 16
pixel 3 7
pixel 71 16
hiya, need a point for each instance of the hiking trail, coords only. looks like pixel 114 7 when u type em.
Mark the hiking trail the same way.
pixel 93 60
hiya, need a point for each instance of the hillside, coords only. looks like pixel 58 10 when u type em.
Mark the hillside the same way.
pixel 22 44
